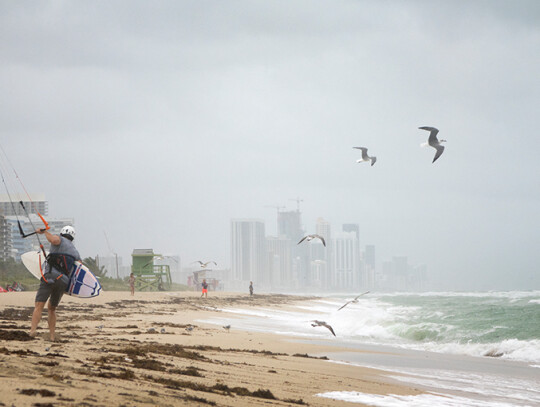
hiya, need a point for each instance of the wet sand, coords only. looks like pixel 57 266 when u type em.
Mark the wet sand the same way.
pixel 148 350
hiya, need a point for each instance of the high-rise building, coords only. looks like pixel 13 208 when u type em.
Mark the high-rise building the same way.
pixel 369 256
pixel 369 273
pixel 319 274
pixel 319 252
pixel 6 247
pixel 22 245
pixel 401 272
pixel 352 227
pixel 323 229
pixel 418 278
pixel 248 251
pixel 279 261
pixel 346 268
pixel 290 225
pixel 385 280
pixel 355 228
pixel 12 207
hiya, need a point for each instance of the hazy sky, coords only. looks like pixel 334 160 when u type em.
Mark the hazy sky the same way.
pixel 159 121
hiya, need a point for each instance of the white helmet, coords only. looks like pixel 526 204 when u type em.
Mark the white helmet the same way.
pixel 69 231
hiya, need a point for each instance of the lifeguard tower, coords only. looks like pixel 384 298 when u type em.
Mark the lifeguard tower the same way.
pixel 149 276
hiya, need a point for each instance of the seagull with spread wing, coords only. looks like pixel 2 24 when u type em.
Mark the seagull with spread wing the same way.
pixel 322 323
pixel 433 141
pixel 365 156
pixel 204 265
pixel 311 237
pixel 352 301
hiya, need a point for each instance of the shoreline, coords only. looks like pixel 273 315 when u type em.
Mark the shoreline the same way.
pixel 116 349
pixel 446 377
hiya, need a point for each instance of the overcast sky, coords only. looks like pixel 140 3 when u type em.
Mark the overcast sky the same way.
pixel 159 121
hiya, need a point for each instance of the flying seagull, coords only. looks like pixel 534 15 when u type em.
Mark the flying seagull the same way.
pixel 365 157
pixel 322 323
pixel 433 141
pixel 352 301
pixel 311 237
pixel 204 265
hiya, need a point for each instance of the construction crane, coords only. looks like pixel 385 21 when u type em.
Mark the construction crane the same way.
pixel 297 200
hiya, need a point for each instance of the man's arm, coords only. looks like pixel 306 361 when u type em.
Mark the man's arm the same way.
pixel 53 239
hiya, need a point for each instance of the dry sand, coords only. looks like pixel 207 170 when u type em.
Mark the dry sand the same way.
pixel 118 350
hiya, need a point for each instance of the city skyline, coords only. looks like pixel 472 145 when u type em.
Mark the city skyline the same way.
pixel 270 261
pixel 282 262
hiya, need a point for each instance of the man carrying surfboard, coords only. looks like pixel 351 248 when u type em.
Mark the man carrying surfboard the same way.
pixel 55 278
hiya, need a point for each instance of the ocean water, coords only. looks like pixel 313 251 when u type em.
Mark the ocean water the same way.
pixel 496 324
pixel 488 343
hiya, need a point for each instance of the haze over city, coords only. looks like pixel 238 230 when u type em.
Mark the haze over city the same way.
pixel 158 123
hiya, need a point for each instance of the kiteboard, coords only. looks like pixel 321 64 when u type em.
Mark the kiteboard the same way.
pixel 82 283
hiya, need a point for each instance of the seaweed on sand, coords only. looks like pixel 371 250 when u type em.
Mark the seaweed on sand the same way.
pixel 218 388
pixel 189 371
pixel 18 314
pixel 219 349
pixel 25 352
pixel 305 355
pixel 125 374
pixel 41 392
pixel 6 335
pixel 161 349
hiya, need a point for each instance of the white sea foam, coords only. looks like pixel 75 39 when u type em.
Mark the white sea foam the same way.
pixel 384 320
pixel 511 349
pixel 495 387
pixel 479 294
pixel 421 400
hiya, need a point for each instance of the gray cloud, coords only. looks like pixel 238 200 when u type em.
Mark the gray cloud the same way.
pixel 158 123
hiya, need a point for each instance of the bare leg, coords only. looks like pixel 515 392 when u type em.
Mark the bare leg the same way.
pixel 36 317
pixel 52 321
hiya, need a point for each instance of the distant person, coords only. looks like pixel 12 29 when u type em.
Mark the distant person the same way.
pixel 251 288
pixel 204 289
pixel 55 278
pixel 132 283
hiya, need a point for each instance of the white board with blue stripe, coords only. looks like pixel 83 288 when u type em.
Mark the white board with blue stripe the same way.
pixel 82 283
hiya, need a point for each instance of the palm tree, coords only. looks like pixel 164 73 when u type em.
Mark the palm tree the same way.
pixel 93 265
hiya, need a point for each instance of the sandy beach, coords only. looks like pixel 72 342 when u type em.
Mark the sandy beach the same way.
pixel 148 350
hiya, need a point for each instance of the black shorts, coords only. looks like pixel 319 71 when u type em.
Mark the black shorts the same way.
pixel 50 291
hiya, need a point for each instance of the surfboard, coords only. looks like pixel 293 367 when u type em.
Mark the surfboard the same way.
pixel 82 283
